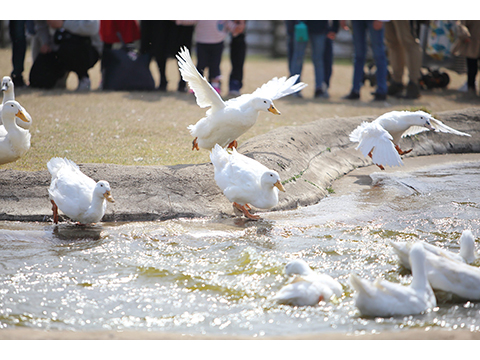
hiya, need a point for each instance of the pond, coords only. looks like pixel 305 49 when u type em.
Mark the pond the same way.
pixel 216 276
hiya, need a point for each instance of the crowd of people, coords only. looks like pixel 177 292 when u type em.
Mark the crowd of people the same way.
pixel 63 46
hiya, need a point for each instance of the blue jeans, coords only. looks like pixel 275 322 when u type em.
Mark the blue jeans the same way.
pixel 317 42
pixel 360 29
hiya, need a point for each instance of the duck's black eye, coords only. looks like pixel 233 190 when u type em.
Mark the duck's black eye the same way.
pixel 264 101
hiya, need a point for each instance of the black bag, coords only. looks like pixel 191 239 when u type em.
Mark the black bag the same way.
pixel 126 69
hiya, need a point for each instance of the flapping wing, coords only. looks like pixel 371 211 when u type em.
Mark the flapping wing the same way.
pixel 204 92
pixel 278 88
pixel 441 127
pixel 372 137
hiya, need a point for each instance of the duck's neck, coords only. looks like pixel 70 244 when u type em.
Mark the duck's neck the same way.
pixel 8 95
pixel 96 209
pixel 419 274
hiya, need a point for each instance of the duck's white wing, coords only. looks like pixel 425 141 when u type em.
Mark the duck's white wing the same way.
pixel 441 127
pixel 414 130
pixel 204 92
pixel 371 136
pixel 279 87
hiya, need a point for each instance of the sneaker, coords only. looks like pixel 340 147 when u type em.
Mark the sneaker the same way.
pixel 83 84
pixel 395 88
pixel 234 93
pixel 379 97
pixel 18 81
pixel 413 91
pixel 352 96
pixel 319 93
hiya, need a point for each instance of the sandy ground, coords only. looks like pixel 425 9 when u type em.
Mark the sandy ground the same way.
pixel 321 126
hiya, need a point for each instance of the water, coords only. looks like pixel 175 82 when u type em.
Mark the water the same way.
pixel 216 276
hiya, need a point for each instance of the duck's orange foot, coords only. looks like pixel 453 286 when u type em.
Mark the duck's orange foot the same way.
pixel 400 151
pixel 380 166
pixel 195 144
pixel 245 212
pixel 55 212
pixel 232 145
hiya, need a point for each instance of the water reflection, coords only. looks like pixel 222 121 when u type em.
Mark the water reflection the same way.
pixel 217 275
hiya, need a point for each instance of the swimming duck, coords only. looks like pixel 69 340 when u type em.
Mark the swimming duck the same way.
pixel 308 287
pixel 7 88
pixel 226 121
pixel 382 298
pixel 453 276
pixel 15 142
pixel 75 194
pixel 379 139
pixel 466 254
pixel 244 181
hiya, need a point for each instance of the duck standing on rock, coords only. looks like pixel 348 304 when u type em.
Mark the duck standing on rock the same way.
pixel 244 181
pixel 14 141
pixel 379 139
pixel 226 121
pixel 75 194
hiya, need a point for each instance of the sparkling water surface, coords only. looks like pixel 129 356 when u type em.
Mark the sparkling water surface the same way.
pixel 216 276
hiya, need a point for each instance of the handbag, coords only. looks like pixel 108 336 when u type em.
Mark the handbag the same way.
pixel 126 69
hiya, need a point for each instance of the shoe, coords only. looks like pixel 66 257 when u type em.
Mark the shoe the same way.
pixel 182 86
pixel 319 93
pixel 395 88
pixel 216 86
pixel 413 91
pixel 298 94
pixel 234 88
pixel 162 87
pixel 83 84
pixel 234 93
pixel 352 96
pixel 18 81
pixel 379 97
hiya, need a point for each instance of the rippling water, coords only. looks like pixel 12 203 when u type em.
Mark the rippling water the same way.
pixel 216 276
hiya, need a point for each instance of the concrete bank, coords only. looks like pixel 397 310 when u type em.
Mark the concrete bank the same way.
pixel 308 158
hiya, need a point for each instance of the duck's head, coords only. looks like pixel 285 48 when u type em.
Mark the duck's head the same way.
pixel 467 246
pixel 264 104
pixel 421 118
pixel 102 189
pixel 14 108
pixel 297 267
pixel 7 83
pixel 272 179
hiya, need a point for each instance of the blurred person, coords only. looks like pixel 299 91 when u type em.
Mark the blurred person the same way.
pixel 17 29
pixel 375 29
pixel 404 50
pixel 318 32
pixel 65 45
pixel 467 45
pixel 238 52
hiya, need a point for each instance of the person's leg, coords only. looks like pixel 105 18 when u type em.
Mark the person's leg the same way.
pixel 380 58
pixel 184 38
pixel 472 69
pixel 318 50
pixel 214 72
pixel 238 51
pixel 396 58
pixel 411 45
pixel 328 61
pixel 359 28
pixel 19 48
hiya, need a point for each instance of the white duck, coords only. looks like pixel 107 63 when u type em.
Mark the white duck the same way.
pixel 8 95
pixel 379 139
pixel 226 121
pixel 15 142
pixel 453 276
pixel 383 298
pixel 308 288
pixel 75 194
pixel 244 181
pixel 466 254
